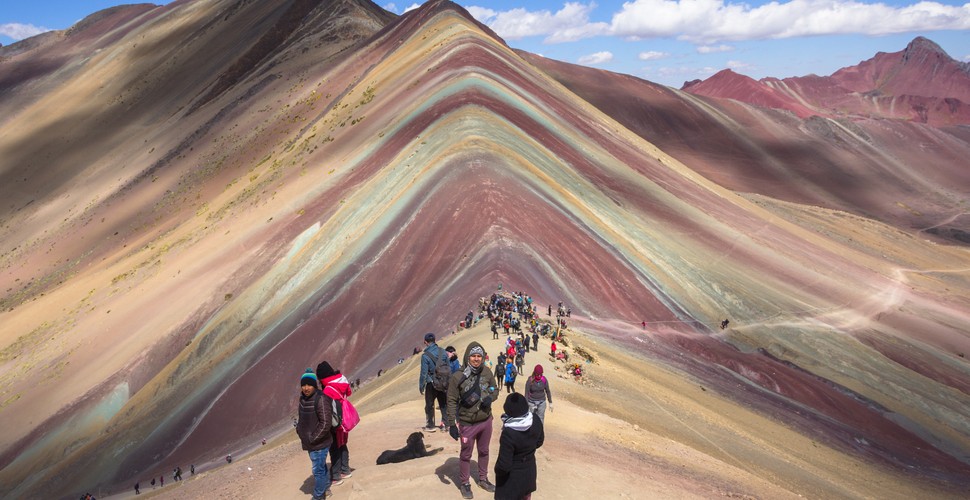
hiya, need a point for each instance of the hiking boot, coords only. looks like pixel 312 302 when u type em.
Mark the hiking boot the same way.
pixel 337 481
pixel 466 491
pixel 485 485
pixel 346 475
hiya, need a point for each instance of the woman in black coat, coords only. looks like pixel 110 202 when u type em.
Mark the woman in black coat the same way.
pixel 522 434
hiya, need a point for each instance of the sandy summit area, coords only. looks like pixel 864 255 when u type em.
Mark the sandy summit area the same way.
pixel 628 429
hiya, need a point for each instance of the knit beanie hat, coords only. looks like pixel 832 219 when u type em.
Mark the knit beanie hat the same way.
pixel 477 350
pixel 515 405
pixel 308 378
pixel 325 371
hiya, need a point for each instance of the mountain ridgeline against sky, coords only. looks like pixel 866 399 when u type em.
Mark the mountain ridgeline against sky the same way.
pixel 202 199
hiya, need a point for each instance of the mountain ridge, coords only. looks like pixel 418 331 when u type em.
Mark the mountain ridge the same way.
pixel 921 83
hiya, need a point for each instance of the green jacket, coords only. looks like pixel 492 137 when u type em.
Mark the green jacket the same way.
pixel 462 382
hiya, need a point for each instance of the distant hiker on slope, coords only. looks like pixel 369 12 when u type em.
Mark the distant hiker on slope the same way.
pixel 537 392
pixel 470 396
pixel 510 375
pixel 313 427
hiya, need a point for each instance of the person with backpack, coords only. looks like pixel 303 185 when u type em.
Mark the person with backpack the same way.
pixel 510 375
pixel 313 427
pixel 337 388
pixel 433 382
pixel 537 392
pixel 470 396
pixel 522 434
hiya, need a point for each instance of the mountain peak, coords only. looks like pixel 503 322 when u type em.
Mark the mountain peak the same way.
pixel 921 44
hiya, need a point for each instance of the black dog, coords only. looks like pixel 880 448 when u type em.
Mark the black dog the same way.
pixel 415 449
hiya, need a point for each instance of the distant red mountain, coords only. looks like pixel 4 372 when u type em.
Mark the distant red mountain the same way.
pixel 920 83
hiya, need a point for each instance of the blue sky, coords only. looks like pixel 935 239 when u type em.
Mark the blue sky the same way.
pixel 665 41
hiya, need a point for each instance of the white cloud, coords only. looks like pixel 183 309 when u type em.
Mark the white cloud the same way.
pixel 686 72
pixel 597 58
pixel 568 24
pixel 739 65
pixel 412 7
pixel 19 31
pixel 710 21
pixel 652 55
pixel 711 49
pixel 707 22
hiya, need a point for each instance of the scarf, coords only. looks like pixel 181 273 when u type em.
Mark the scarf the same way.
pixel 522 423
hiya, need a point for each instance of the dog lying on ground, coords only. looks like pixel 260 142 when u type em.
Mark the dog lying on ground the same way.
pixel 414 449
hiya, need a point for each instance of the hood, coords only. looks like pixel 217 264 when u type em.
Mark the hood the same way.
pixel 464 359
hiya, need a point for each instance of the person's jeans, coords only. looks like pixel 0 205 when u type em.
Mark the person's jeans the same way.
pixel 320 474
pixel 539 408
pixel 430 395
pixel 339 461
pixel 473 435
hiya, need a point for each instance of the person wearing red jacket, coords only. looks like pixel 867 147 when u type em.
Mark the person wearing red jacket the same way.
pixel 337 387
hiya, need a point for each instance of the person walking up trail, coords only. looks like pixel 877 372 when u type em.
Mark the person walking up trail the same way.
pixel 432 357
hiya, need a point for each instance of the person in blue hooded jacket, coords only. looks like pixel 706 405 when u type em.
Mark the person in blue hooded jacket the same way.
pixel 431 353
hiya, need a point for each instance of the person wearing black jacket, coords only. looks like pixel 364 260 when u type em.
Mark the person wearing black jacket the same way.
pixel 522 434
pixel 313 427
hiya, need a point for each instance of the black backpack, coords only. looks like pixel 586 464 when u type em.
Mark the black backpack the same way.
pixel 441 371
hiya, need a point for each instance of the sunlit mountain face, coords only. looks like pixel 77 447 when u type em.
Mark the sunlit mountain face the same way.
pixel 202 199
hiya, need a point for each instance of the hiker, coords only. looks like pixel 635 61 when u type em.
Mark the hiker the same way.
pixel 500 370
pixel 522 434
pixel 453 359
pixel 336 387
pixel 315 413
pixel 429 360
pixel 553 347
pixel 470 396
pixel 519 361
pixel 192 467
pixel 549 313
pixel 510 374
pixel 724 324
pixel 153 482
pixel 535 341
pixel 228 459
pixel 537 392
pixel 137 489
